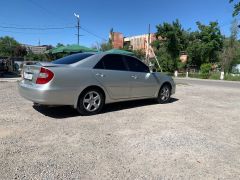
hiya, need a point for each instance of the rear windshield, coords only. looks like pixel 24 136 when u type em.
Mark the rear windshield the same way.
pixel 72 58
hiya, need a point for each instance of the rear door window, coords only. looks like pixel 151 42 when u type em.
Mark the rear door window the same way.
pixel 112 62
pixel 136 65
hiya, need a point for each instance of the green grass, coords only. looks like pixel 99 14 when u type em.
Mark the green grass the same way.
pixel 213 75
pixel 195 75
pixel 229 77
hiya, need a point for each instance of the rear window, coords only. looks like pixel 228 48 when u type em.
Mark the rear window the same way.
pixel 72 58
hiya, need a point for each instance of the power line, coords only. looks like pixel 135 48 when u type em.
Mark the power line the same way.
pixel 49 28
pixel 25 33
pixel 41 7
pixel 93 34
pixel 37 28
pixel 84 29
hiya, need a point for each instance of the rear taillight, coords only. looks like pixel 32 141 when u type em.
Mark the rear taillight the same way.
pixel 44 76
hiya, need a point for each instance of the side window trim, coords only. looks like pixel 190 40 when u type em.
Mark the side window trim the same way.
pixel 126 64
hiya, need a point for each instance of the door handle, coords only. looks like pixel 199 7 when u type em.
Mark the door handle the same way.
pixel 100 75
pixel 134 76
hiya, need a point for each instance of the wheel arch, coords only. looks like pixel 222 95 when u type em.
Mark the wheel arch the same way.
pixel 88 88
pixel 166 83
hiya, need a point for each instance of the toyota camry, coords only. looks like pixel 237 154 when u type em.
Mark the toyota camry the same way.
pixel 88 81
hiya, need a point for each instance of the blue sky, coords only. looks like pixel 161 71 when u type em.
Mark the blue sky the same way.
pixel 131 17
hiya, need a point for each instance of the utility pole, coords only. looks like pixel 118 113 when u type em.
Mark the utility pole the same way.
pixel 150 50
pixel 78 26
pixel 149 29
pixel 148 55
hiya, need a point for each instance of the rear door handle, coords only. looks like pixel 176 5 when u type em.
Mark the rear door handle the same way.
pixel 100 75
pixel 134 76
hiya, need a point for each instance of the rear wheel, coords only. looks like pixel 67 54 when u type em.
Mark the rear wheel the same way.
pixel 164 94
pixel 90 102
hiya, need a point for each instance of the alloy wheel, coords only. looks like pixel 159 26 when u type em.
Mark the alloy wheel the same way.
pixel 165 93
pixel 91 101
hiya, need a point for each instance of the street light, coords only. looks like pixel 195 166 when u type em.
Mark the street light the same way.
pixel 76 15
pixel 78 24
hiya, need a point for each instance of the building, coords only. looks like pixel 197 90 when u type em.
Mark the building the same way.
pixel 183 57
pixel 116 39
pixel 139 42
pixel 35 49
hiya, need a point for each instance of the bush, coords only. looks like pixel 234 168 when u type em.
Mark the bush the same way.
pixel 181 66
pixel 205 70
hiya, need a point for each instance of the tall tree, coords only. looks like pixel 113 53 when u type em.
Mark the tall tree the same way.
pixel 205 44
pixel 105 46
pixel 230 51
pixel 59 45
pixel 7 46
pixel 236 7
pixel 20 51
pixel 174 40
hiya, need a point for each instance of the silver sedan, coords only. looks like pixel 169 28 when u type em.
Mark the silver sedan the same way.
pixel 87 81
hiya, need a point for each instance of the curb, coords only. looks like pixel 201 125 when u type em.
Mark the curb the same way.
pixel 10 79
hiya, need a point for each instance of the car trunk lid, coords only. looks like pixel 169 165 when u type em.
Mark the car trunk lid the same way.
pixel 32 72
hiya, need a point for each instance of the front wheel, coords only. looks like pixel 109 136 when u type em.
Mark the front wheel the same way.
pixel 90 102
pixel 164 94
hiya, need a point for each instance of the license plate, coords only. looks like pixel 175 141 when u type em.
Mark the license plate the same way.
pixel 27 76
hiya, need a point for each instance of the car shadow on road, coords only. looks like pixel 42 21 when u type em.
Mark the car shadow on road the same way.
pixel 61 112
pixel 131 104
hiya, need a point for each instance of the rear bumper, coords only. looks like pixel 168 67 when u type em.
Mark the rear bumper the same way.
pixel 44 95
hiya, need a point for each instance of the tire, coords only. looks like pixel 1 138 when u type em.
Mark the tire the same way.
pixel 164 94
pixel 90 102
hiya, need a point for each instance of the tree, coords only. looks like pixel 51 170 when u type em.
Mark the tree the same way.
pixel 139 54
pixel 7 46
pixel 236 8
pixel 35 57
pixel 49 47
pixel 205 70
pixel 20 51
pixel 59 45
pixel 205 44
pixel 230 51
pixel 174 40
pixel 165 59
pixel 105 46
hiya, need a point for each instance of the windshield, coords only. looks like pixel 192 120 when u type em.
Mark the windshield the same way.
pixel 72 58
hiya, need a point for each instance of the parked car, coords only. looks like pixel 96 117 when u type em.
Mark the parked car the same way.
pixel 88 81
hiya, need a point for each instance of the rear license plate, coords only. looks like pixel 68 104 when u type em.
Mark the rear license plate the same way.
pixel 27 76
